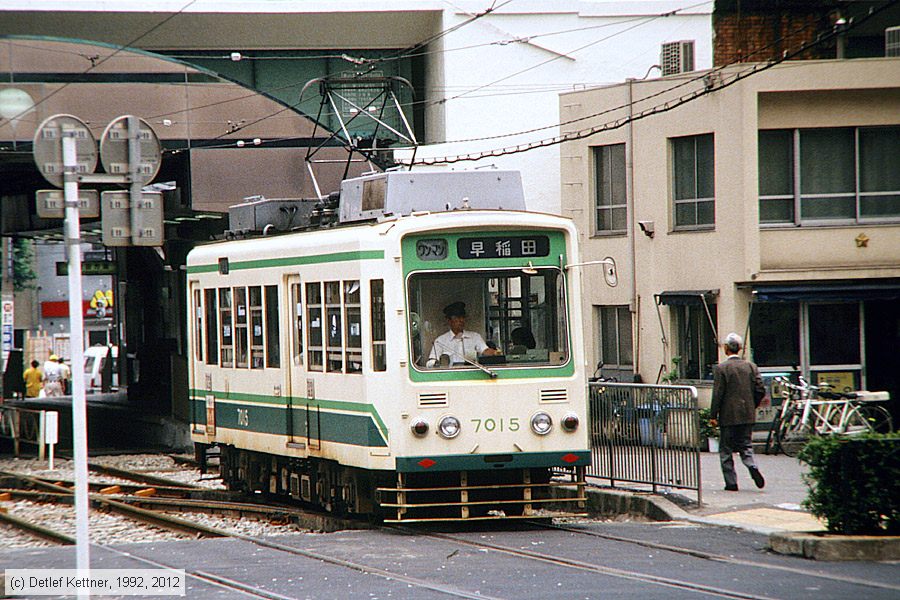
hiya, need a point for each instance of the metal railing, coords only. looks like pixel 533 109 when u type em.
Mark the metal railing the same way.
pixel 24 426
pixel 645 434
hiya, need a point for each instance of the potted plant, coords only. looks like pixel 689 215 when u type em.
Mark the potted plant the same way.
pixel 709 435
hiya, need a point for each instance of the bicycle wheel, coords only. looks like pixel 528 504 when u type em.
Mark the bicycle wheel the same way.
pixel 792 433
pixel 772 437
pixel 869 419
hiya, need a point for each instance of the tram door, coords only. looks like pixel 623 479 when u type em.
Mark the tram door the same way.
pixel 196 334
pixel 295 422
pixel 302 417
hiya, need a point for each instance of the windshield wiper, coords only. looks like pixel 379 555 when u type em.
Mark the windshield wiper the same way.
pixel 492 374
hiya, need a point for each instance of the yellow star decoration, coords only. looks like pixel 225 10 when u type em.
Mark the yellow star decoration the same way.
pixel 862 241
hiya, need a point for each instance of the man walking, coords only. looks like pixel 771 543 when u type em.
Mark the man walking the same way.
pixel 737 391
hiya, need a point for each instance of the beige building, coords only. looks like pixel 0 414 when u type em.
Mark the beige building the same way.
pixel 759 200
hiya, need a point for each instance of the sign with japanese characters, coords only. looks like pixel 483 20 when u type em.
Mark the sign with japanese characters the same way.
pixel 503 247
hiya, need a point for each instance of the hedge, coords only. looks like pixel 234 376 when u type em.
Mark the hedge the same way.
pixel 855 483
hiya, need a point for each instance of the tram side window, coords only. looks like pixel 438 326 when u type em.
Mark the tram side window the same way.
pixel 198 326
pixel 240 327
pixel 212 327
pixel 379 339
pixel 353 320
pixel 257 354
pixel 227 334
pixel 314 322
pixel 334 360
pixel 273 343
pixel 297 327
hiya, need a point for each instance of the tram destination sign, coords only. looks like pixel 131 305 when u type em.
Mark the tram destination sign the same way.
pixel 503 247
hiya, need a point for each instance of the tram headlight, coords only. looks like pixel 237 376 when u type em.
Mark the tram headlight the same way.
pixel 541 423
pixel 570 422
pixel 449 427
pixel 419 427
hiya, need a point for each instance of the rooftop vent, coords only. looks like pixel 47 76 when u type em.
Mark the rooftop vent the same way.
pixel 677 57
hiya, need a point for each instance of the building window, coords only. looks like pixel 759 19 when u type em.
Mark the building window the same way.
pixel 839 175
pixel 775 334
pixel 609 180
pixel 821 340
pixel 615 337
pixel 695 340
pixel 693 181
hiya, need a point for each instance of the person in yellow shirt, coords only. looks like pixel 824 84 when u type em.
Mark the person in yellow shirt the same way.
pixel 34 380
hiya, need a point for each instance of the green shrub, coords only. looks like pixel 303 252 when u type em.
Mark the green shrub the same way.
pixel 855 483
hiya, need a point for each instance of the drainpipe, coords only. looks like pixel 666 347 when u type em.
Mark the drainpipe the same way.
pixel 629 173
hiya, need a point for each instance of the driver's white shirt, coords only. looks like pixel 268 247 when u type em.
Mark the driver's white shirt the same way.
pixel 468 344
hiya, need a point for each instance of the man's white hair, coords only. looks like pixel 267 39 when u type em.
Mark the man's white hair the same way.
pixel 734 342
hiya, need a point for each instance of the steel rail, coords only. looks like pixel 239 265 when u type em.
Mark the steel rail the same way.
pixel 144 478
pixel 37 530
pixel 593 568
pixel 720 557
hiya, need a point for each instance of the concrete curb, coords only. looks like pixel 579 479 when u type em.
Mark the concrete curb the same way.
pixel 829 546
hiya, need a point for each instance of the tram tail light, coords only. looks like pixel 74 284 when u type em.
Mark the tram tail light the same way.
pixel 419 427
pixel 570 422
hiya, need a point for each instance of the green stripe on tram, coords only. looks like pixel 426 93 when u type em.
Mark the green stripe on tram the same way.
pixel 479 462
pixel 290 261
pixel 267 414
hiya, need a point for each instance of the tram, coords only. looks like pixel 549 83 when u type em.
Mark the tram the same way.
pixel 315 364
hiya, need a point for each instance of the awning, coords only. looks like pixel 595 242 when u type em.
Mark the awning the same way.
pixel 683 297
pixel 843 291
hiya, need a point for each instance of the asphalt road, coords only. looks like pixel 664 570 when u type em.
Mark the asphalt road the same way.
pixel 596 561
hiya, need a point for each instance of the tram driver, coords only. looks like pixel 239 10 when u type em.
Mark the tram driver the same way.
pixel 458 345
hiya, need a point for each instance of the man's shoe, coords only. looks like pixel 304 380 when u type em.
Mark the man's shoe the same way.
pixel 731 488
pixel 758 478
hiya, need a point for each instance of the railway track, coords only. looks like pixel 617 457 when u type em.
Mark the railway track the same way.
pixel 719 557
pixel 153 509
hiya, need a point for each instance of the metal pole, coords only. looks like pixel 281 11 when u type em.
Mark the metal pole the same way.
pixel 76 337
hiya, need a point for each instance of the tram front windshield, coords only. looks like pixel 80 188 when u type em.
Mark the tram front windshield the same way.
pixel 510 318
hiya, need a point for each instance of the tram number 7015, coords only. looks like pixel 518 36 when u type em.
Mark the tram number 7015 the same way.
pixel 510 424
pixel 243 417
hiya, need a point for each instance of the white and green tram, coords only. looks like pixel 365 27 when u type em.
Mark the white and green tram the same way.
pixel 314 366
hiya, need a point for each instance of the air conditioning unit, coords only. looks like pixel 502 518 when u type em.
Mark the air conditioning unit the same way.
pixel 677 57
pixel 892 41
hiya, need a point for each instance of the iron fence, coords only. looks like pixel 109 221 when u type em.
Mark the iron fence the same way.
pixel 23 426
pixel 645 434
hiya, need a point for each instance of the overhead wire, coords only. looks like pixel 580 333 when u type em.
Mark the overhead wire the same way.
pixel 658 109
pixel 97 63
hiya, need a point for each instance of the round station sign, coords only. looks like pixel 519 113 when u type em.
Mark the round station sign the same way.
pixel 116 150
pixel 48 147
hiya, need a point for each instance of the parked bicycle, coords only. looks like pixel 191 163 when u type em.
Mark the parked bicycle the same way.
pixel 810 410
